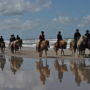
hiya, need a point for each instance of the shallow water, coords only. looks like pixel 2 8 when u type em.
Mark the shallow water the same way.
pixel 18 73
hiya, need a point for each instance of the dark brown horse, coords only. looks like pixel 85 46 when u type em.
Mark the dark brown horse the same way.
pixel 62 45
pixel 43 47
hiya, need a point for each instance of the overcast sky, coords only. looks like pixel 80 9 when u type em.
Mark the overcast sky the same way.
pixel 29 17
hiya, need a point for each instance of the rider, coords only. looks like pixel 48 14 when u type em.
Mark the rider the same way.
pixel 59 37
pixel 18 37
pixel 41 38
pixel 87 34
pixel 77 35
pixel 1 39
pixel 12 38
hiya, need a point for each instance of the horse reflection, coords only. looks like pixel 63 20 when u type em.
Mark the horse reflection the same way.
pixel 15 63
pixel 61 68
pixel 81 71
pixel 2 62
pixel 43 70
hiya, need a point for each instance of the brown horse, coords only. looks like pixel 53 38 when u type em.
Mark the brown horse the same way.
pixel 43 47
pixel 72 46
pixel 62 45
pixel 15 45
pixel 79 47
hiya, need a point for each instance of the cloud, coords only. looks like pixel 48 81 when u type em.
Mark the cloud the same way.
pixel 66 20
pixel 18 24
pixel 16 7
pixel 85 21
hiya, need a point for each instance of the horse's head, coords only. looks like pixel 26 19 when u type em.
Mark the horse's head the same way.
pixel 84 38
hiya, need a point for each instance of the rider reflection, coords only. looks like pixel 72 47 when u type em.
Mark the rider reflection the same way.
pixel 43 70
pixel 81 71
pixel 15 63
pixel 61 68
pixel 2 61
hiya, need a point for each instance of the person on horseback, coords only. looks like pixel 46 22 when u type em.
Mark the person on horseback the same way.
pixel 12 38
pixel 87 34
pixel 1 39
pixel 59 37
pixel 20 40
pixel 2 44
pixel 41 38
pixel 18 37
pixel 77 35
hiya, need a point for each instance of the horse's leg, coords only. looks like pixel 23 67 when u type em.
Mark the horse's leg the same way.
pixel 46 52
pixel 80 52
pixel 56 51
pixel 12 50
pixel 74 50
pixel 62 51
pixel 40 53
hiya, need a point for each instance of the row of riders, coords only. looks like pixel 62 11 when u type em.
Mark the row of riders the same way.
pixel 14 45
pixel 78 43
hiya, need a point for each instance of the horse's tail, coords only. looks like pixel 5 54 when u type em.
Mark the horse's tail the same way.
pixel 55 46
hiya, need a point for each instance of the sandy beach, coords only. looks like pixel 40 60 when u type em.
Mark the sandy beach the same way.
pixel 28 52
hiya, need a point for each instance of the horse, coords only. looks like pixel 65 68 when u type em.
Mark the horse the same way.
pixel 88 44
pixel 62 45
pixel 72 46
pixel 44 45
pixel 15 45
pixel 2 47
pixel 80 46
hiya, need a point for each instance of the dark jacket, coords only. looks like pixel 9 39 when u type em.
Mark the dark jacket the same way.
pixel 77 35
pixel 42 37
pixel 59 37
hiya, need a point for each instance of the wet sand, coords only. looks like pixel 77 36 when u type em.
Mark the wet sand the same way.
pixel 28 52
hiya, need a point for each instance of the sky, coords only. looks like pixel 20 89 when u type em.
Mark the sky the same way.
pixel 28 18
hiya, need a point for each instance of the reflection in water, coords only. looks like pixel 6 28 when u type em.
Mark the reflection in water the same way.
pixel 27 79
pixel 43 70
pixel 61 68
pixel 15 63
pixel 2 61
pixel 81 71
